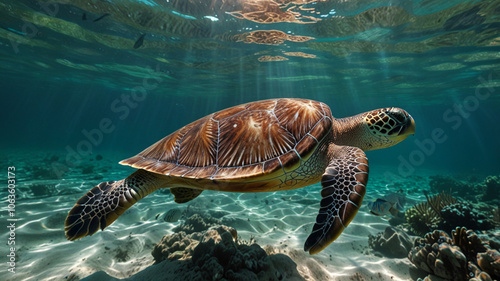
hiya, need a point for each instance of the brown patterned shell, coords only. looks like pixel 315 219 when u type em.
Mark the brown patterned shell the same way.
pixel 249 140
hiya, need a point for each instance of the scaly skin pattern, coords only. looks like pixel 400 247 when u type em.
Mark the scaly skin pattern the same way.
pixel 344 185
pixel 104 203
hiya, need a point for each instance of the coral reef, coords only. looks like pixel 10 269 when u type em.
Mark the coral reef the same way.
pixel 44 172
pixel 392 243
pixel 492 184
pixel 197 223
pixel 490 262
pixel 495 216
pixel 46 166
pixel 461 188
pixel 443 211
pixel 214 255
pixel 463 214
pixel 463 256
pixel 470 189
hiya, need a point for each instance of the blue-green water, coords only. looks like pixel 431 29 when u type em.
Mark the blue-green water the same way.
pixel 77 86
pixel 66 74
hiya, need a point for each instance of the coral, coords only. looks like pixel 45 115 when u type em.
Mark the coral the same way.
pixel 469 189
pixel 421 219
pixel 463 256
pixel 391 243
pixel 495 216
pixel 490 262
pixel 214 255
pixel 46 167
pixel 426 216
pixel 463 189
pixel 435 255
pixel 180 246
pixel 477 274
pixel 436 236
pixel 42 172
pixel 252 241
pixel 492 184
pixel 438 202
pixel 463 214
pixel 469 242
pixel 197 223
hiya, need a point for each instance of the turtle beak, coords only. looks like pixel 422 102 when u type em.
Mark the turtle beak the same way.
pixel 408 127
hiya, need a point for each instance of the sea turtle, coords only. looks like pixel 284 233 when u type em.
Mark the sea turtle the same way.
pixel 268 145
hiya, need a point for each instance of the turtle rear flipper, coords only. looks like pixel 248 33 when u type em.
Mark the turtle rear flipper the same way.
pixel 184 194
pixel 104 203
pixel 344 185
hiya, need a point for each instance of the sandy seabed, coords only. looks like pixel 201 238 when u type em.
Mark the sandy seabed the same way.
pixel 280 219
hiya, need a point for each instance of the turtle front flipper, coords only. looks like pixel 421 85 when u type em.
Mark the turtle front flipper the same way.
pixel 344 185
pixel 104 203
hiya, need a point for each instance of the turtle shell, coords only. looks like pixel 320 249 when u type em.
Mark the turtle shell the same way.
pixel 249 140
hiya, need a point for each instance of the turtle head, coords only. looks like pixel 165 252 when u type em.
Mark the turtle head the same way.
pixel 388 126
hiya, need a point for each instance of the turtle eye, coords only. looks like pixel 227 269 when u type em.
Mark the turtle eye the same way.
pixel 397 114
pixel 401 121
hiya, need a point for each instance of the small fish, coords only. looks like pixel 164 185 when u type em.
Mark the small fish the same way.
pixel 390 204
pixel 381 208
pixel 139 41
pixel 15 31
pixel 397 199
pixel 101 17
pixel 84 16
pixel 173 215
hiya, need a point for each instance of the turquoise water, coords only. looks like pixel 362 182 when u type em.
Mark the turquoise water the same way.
pixel 426 57
pixel 82 79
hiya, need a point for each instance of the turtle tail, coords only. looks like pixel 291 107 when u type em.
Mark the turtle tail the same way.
pixel 104 203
